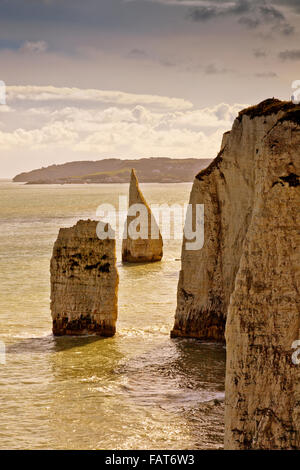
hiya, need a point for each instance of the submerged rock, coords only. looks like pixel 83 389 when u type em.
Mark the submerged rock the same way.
pixel 148 245
pixel 84 282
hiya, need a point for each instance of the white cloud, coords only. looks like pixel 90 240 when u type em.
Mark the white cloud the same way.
pixel 94 129
pixel 53 135
pixel 4 108
pixel 138 141
pixel 51 93
pixel 219 116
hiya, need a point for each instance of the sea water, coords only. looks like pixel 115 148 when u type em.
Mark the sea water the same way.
pixel 138 390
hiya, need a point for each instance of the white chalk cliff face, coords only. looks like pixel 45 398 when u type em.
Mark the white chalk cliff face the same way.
pixel 84 282
pixel 262 382
pixel 227 190
pixel 148 245
pixel 247 274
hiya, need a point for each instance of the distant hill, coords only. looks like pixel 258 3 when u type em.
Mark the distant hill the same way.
pixel 114 170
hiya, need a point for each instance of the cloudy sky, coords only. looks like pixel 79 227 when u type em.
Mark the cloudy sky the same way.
pixel 136 78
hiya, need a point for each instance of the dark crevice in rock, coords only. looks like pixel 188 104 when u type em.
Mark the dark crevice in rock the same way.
pixel 293 116
pixel 89 267
pixel 73 264
pixel 214 164
pixel 104 268
pixel 277 182
pixel 77 255
pixel 186 295
pixel 292 180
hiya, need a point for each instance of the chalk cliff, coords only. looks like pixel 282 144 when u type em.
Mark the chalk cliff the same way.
pixel 84 282
pixel 227 188
pixel 247 276
pixel 148 247
pixel 262 382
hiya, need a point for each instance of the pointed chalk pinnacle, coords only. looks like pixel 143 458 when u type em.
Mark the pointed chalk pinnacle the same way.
pixel 142 238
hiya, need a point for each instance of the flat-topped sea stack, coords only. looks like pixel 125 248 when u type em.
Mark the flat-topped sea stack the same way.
pixel 84 282
pixel 148 246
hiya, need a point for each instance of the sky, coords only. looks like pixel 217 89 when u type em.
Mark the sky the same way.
pixel 136 78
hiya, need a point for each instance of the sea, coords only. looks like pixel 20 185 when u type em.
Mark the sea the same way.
pixel 138 390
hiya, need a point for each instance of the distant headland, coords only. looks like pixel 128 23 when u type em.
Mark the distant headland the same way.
pixel 114 170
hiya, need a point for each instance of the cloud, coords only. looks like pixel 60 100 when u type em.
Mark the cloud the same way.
pixel 202 13
pixel 221 115
pixel 206 12
pixel 259 53
pixel 5 109
pixel 251 14
pixel 249 22
pixel 34 47
pixel 141 54
pixel 292 55
pixel 138 53
pixel 51 93
pixel 294 5
pixel 266 75
pixel 291 4
pixel 270 14
pixel 287 29
pixel 51 135
pixel 97 129
pixel 214 69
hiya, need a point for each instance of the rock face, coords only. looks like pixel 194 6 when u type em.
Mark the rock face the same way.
pixel 248 274
pixel 228 189
pixel 262 383
pixel 145 248
pixel 84 282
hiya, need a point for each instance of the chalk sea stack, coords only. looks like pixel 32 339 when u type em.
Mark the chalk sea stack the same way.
pixel 84 282
pixel 142 249
pixel 246 278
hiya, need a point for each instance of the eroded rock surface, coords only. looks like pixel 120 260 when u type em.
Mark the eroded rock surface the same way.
pixel 142 249
pixel 227 188
pixel 262 382
pixel 247 275
pixel 84 282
